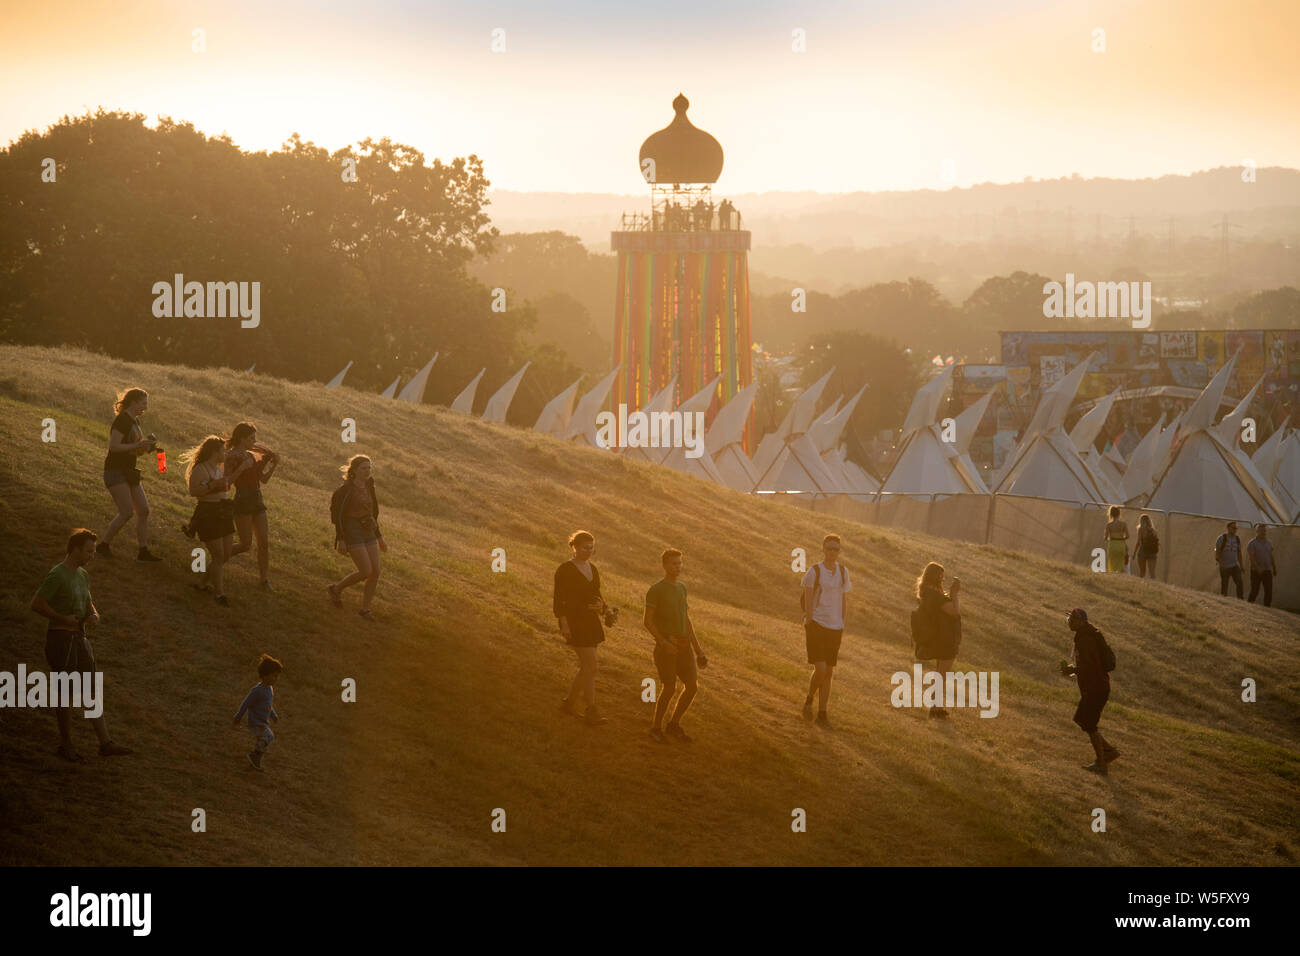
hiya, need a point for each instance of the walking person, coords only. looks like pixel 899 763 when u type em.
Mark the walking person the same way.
pixel 677 651
pixel 354 509
pixel 940 619
pixel 213 521
pixel 1089 664
pixel 826 586
pixel 1263 566
pixel 1227 553
pixel 1148 546
pixel 254 464
pixel 260 707
pixel 126 443
pixel 1116 538
pixel 579 610
pixel 64 600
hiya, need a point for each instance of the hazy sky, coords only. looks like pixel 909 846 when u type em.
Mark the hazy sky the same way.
pixel 886 91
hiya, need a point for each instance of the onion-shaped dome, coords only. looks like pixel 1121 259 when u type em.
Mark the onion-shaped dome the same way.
pixel 682 152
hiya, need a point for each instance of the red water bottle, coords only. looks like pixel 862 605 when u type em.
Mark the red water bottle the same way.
pixel 162 462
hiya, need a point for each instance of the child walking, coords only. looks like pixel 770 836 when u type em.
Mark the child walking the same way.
pixel 261 709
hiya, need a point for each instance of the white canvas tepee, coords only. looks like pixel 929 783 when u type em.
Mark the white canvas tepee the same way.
pixel 499 403
pixel 464 402
pixel 414 390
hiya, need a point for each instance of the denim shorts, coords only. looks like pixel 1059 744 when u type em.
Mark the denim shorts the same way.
pixel 359 532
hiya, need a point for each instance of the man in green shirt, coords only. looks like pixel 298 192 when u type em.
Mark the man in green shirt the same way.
pixel 677 651
pixel 64 599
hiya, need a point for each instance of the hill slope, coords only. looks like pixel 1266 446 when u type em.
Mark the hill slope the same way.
pixel 459 682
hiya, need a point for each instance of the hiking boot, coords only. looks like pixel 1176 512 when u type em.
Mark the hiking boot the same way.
pixel 334 596
pixel 103 550
pixel 144 554
pixel 822 721
pixel 365 615
pixel 1109 753
pixel 674 730
pixel 807 707
pixel 595 717
pixel 111 749
pixel 255 759
pixel 657 736
pixel 1096 767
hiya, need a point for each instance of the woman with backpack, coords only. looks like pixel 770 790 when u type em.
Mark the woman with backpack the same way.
pixel 937 623
pixel 354 509
pixel 1148 547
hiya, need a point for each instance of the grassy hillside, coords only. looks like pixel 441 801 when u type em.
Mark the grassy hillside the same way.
pixel 459 682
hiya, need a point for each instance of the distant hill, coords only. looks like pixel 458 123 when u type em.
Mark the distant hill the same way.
pixel 458 684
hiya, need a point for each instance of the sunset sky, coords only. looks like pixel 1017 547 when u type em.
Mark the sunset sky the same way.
pixel 885 92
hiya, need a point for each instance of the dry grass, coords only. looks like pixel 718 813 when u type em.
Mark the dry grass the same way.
pixel 458 684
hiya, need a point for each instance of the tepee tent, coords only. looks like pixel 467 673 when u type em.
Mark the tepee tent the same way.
pixel 661 401
pixel 464 402
pixel 926 464
pixel 1228 432
pixel 582 424
pixel 787 460
pixel 1284 477
pixel 499 403
pixel 1137 477
pixel 701 466
pixel 391 390
pixel 1202 476
pixel 1046 463
pixel 337 380
pixel 554 418
pixel 414 390
pixel 724 441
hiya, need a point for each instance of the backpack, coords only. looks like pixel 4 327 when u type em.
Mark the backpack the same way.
pixel 817 583
pixel 803 592
pixel 1150 542
pixel 1107 655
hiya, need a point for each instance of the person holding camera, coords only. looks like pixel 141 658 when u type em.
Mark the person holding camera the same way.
pixel 677 651
pixel 126 443
pixel 940 616
pixel 64 600
pixel 354 509
pixel 579 610
pixel 213 520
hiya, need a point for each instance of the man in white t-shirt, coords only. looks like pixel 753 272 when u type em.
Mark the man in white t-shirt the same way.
pixel 825 601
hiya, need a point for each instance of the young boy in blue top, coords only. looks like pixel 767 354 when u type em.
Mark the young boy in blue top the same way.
pixel 260 707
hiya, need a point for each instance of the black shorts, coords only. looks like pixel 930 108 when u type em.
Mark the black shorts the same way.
pixel 1088 713
pixel 119 476
pixel 823 643
pixel 213 520
pixel 68 652
pixel 248 501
